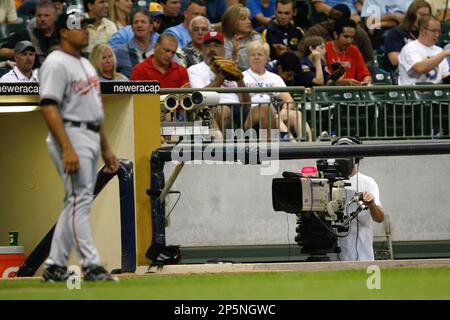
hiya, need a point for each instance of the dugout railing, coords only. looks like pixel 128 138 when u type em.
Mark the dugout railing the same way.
pixel 378 112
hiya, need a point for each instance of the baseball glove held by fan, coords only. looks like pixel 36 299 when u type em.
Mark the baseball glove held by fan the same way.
pixel 229 69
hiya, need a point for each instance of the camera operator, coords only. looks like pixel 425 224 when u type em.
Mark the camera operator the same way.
pixel 358 245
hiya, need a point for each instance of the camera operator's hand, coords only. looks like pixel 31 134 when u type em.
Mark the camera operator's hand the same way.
pixel 376 211
pixel 368 198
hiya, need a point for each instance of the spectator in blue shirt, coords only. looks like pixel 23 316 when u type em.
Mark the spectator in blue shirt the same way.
pixel 214 12
pixel 313 70
pixel 325 6
pixel 261 12
pixel 181 32
pixel 125 34
pixel 139 47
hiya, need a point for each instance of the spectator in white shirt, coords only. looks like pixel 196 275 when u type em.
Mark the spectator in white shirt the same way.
pixel 263 108
pixel 421 60
pixel 8 11
pixel 25 55
pixel 102 28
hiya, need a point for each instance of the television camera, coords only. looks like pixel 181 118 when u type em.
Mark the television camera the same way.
pixel 319 200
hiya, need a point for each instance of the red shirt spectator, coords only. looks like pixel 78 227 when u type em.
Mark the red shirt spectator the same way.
pixel 175 77
pixel 159 66
pixel 344 60
pixel 352 60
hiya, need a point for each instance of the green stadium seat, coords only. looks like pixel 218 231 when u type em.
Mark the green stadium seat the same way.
pixel 433 110
pixel 380 77
pixel 16 27
pixel 444 37
pixel 351 114
pixel 4 71
pixel 394 113
pixel 394 76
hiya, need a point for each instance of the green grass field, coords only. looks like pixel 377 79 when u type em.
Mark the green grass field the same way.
pixel 432 283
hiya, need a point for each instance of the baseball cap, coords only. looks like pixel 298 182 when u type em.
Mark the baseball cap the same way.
pixel 73 19
pixel 213 36
pixel 340 11
pixel 155 9
pixel 21 46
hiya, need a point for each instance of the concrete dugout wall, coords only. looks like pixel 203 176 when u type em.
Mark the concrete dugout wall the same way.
pixel 231 204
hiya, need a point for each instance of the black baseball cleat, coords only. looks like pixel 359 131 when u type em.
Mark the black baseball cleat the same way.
pixel 55 273
pixel 97 273
pixel 160 255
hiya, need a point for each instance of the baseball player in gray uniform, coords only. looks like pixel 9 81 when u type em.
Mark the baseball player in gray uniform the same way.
pixel 72 108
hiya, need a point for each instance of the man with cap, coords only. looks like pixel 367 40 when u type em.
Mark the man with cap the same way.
pixel 201 76
pixel 126 34
pixel 25 55
pixel 157 13
pixel 326 29
pixel 160 65
pixel 72 108
pixel 42 35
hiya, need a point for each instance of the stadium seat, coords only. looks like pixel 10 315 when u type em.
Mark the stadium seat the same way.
pixel 394 76
pixel 351 114
pixel 380 77
pixel 432 110
pixel 16 27
pixel 444 37
pixel 394 113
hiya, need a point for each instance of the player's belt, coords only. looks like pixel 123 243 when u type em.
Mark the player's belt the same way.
pixel 84 125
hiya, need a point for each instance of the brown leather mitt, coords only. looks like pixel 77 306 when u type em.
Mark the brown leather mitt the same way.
pixel 229 69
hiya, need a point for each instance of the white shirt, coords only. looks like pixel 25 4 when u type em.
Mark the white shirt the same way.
pixel 7 11
pixel 266 80
pixel 100 34
pixel 15 75
pixel 73 83
pixel 200 76
pixel 413 53
pixel 358 245
pixel 384 7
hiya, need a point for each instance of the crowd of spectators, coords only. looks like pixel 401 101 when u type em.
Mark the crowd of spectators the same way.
pixel 345 42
